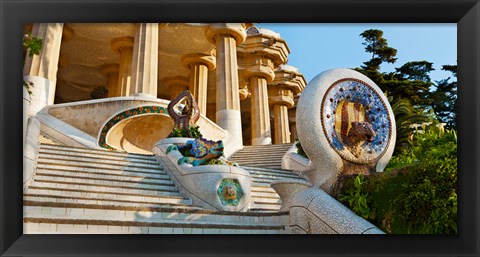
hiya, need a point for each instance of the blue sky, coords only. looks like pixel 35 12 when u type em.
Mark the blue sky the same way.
pixel 316 47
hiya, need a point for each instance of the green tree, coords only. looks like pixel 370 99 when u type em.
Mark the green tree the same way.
pixel 378 47
pixel 444 98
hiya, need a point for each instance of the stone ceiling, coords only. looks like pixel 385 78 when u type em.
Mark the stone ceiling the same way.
pixel 83 54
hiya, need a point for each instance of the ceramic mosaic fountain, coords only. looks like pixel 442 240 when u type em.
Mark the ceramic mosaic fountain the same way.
pixel 353 129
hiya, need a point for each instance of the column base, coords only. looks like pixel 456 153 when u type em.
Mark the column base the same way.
pixel 43 93
pixel 231 122
pixel 262 141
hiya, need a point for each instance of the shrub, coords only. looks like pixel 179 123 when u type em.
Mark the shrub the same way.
pixel 417 193
pixel 194 131
pixel 300 150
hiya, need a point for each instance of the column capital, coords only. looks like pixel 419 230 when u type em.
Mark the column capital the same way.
pixel 265 43
pixel 171 82
pixel 280 96
pixel 235 30
pixel 259 70
pixel 108 69
pixel 287 76
pixel 122 42
pixel 199 58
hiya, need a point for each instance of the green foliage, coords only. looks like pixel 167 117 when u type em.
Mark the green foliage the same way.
pixel 213 161
pixel 32 46
pixel 407 118
pixel 300 150
pixel 356 197
pixel 417 193
pixel 194 131
pixel 378 46
pixel 444 98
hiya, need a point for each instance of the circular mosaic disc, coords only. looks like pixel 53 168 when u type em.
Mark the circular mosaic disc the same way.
pixel 352 100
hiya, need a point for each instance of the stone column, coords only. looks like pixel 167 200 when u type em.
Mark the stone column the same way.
pixel 177 85
pixel 258 76
pixel 226 37
pixel 281 99
pixel 41 70
pixel 262 51
pixel 111 72
pixel 145 60
pixel 287 83
pixel 124 46
pixel 199 65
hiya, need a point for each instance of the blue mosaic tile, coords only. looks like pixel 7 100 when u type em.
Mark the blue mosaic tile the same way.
pixel 376 112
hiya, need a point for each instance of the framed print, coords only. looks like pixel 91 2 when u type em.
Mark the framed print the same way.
pixel 148 125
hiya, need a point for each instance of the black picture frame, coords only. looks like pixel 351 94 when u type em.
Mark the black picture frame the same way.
pixel 13 14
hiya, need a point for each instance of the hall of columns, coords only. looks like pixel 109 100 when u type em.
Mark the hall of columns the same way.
pixel 262 51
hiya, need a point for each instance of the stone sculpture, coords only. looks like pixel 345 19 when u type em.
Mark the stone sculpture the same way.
pixel 352 126
pixel 352 130
pixel 189 115
pixel 200 151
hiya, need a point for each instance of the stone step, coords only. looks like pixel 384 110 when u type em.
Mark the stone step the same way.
pixel 269 180
pixel 140 213
pixel 144 214
pixel 281 146
pixel 96 151
pixel 79 194
pixel 50 198
pixel 263 162
pixel 261 210
pixel 44 139
pixel 96 161
pixel 100 176
pixel 69 168
pixel 106 173
pixel 259 170
pixel 262 189
pixel 120 159
pixel 267 206
pixel 82 226
pixel 255 155
pixel 94 191
pixel 258 194
pixel 273 177
pixel 266 200
pixel 261 165
pixel 166 185
pixel 166 191
pixel 74 163
pixel 61 213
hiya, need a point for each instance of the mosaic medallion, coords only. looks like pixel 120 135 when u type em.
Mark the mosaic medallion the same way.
pixel 102 141
pixel 356 121
pixel 229 192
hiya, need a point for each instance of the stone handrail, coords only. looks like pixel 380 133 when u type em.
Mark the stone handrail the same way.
pixel 202 183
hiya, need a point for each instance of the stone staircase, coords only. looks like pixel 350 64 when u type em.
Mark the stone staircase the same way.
pixel 264 164
pixel 263 156
pixel 78 190
pixel 265 199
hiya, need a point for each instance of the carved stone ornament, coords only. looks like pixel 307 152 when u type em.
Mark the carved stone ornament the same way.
pixel 188 114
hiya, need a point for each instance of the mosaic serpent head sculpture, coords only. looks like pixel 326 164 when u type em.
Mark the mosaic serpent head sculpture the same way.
pixel 189 114
pixel 345 125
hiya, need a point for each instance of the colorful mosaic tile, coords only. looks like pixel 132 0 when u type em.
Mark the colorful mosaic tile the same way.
pixel 125 115
pixel 373 110
pixel 230 192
